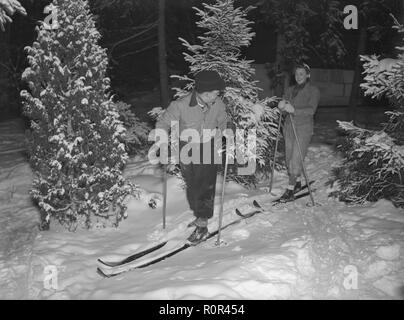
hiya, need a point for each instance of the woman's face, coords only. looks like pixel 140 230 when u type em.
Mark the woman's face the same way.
pixel 301 76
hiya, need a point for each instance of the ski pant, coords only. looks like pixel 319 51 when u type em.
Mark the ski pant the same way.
pixel 200 180
pixel 304 131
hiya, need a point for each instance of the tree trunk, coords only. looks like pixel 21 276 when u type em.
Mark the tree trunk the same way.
pixel 400 9
pixel 280 66
pixel 164 94
pixel 354 98
pixel 4 73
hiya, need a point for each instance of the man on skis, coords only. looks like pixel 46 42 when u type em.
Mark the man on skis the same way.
pixel 300 103
pixel 199 110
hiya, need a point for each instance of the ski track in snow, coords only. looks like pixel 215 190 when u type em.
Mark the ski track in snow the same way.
pixel 18 217
pixel 290 251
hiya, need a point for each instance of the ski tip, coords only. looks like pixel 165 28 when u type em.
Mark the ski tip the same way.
pixel 107 275
pixel 105 263
pixel 239 213
pixel 256 204
pixel 102 274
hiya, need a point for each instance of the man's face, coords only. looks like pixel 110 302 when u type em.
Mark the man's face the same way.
pixel 301 76
pixel 209 96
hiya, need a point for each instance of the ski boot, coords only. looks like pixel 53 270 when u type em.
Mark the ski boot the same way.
pixel 298 187
pixel 199 234
pixel 288 196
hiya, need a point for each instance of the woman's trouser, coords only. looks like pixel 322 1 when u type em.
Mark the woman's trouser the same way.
pixel 304 131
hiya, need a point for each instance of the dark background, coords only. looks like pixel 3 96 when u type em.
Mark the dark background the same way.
pixel 134 67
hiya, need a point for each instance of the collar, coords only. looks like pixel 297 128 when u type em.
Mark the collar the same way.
pixel 299 88
pixel 302 86
pixel 194 102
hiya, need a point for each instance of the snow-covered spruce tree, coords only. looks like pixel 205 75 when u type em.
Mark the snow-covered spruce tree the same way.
pixel 136 133
pixel 76 147
pixel 226 31
pixel 373 164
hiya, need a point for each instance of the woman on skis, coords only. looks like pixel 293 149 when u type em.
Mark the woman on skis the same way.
pixel 300 103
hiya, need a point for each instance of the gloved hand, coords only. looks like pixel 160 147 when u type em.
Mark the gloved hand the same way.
pixel 285 106
pixel 171 168
pixel 281 105
pixel 289 108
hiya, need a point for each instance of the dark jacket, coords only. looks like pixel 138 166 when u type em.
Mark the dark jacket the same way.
pixel 305 102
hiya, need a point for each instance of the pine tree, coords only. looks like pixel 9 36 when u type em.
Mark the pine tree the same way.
pixel 137 132
pixel 373 164
pixel 226 31
pixel 386 78
pixel 76 144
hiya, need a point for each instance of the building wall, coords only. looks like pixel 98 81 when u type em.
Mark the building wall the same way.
pixel 335 85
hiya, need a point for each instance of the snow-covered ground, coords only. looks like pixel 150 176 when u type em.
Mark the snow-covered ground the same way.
pixel 294 251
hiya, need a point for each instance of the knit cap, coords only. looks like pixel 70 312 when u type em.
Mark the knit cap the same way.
pixel 208 80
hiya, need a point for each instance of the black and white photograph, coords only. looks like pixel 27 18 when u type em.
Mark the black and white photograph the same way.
pixel 215 151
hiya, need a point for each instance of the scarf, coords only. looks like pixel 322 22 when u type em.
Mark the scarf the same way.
pixel 297 88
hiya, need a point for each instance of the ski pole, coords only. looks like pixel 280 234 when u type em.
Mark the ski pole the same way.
pixel 164 195
pixel 276 149
pixel 301 159
pixel 222 200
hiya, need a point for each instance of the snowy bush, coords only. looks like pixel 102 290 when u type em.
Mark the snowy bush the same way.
pixel 373 167
pixel 373 164
pixel 227 30
pixel 76 144
pixel 136 133
pixel 386 78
